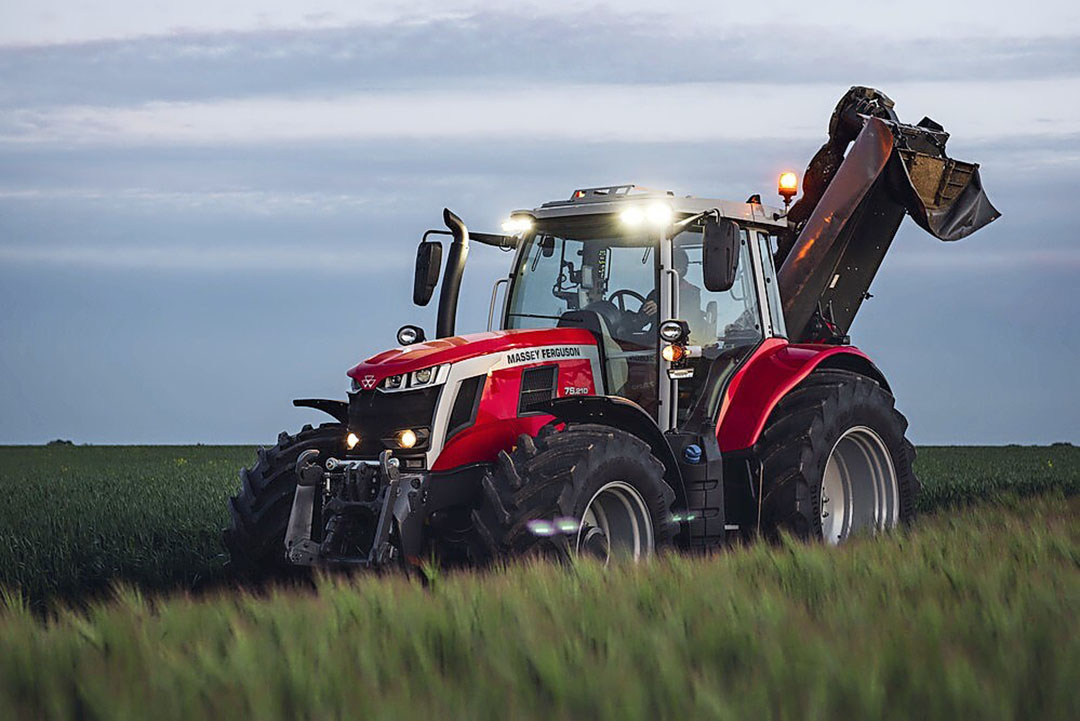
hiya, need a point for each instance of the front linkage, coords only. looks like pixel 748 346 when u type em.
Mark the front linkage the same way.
pixel 371 514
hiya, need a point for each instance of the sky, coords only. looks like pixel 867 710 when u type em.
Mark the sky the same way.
pixel 207 210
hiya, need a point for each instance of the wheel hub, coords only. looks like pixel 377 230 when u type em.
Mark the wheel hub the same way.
pixel 859 489
pixel 616 523
pixel 594 542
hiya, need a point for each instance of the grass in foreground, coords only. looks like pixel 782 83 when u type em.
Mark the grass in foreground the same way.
pixel 966 616
pixel 76 519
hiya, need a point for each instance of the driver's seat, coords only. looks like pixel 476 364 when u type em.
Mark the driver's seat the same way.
pixel 612 361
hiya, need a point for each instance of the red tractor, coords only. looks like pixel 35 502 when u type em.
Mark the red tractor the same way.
pixel 667 372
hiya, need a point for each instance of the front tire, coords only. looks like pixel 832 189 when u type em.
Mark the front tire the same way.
pixel 260 510
pixel 835 461
pixel 586 490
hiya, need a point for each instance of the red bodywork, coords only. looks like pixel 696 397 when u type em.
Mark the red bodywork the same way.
pixel 767 376
pixel 458 348
pixel 775 368
pixel 498 425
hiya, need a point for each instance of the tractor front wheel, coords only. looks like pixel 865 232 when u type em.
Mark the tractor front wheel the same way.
pixel 586 490
pixel 260 510
pixel 834 460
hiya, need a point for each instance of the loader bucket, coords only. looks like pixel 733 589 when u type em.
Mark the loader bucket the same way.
pixel 891 170
pixel 947 198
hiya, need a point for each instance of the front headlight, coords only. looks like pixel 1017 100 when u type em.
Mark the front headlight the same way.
pixel 408 439
pixel 423 378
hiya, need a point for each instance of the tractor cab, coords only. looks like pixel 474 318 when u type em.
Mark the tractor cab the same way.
pixel 677 290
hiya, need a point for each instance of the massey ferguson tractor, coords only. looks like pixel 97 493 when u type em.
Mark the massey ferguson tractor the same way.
pixel 661 372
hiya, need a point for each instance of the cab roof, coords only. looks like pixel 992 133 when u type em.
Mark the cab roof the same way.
pixel 614 198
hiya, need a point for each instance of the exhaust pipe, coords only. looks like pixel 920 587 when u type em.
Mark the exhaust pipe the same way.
pixel 455 268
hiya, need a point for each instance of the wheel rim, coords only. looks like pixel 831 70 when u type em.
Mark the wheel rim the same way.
pixel 616 524
pixel 859 489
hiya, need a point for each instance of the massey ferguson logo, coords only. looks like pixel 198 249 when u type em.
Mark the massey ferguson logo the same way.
pixel 536 355
pixel 367 382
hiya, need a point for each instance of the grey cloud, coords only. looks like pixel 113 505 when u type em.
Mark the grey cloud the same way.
pixel 334 196
pixel 397 165
pixel 500 49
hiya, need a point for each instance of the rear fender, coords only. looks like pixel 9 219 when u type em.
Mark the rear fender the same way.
pixel 775 368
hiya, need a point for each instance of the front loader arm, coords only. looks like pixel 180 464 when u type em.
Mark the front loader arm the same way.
pixel 853 205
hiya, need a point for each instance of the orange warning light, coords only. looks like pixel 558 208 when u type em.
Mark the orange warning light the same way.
pixel 673 353
pixel 788 185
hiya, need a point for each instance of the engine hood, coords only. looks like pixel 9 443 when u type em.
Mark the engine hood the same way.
pixel 406 359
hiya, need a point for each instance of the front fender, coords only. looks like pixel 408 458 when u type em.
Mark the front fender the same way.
pixel 771 372
pixel 626 416
pixel 339 410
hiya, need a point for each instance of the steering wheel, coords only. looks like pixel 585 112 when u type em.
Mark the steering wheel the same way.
pixel 618 299
pixel 630 321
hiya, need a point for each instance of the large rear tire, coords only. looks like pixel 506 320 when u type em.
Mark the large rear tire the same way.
pixel 260 510
pixel 586 490
pixel 835 461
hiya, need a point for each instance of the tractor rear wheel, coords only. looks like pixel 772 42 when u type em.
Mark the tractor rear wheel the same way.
pixel 835 461
pixel 260 510
pixel 586 490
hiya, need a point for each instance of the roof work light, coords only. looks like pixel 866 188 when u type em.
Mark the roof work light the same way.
pixel 657 214
pixel 517 224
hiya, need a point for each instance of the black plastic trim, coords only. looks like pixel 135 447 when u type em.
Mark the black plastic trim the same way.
pixel 855 364
pixel 478 393
pixel 339 410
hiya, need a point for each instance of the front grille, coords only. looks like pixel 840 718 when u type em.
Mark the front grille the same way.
pixel 537 387
pixel 374 415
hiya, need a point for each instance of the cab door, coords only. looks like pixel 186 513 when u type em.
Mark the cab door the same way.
pixel 725 326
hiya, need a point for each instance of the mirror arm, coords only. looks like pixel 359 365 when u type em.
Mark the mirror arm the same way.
pixel 680 226
pixel 498 240
pixel 434 232
pixel 505 242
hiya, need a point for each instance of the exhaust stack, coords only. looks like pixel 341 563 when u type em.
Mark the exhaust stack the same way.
pixel 455 269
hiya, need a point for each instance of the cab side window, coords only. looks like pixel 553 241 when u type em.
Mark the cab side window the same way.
pixel 766 245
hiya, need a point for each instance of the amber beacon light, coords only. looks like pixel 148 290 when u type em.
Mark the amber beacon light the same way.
pixel 787 186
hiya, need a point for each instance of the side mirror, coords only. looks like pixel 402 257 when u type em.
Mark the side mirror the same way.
pixel 720 253
pixel 428 265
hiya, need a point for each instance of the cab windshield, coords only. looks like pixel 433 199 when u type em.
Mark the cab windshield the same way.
pixel 612 276
pixel 615 275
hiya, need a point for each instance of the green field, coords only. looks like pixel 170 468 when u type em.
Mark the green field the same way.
pixel 971 613
pixel 78 518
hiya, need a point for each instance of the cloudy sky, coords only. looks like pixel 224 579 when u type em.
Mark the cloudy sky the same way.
pixel 207 210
